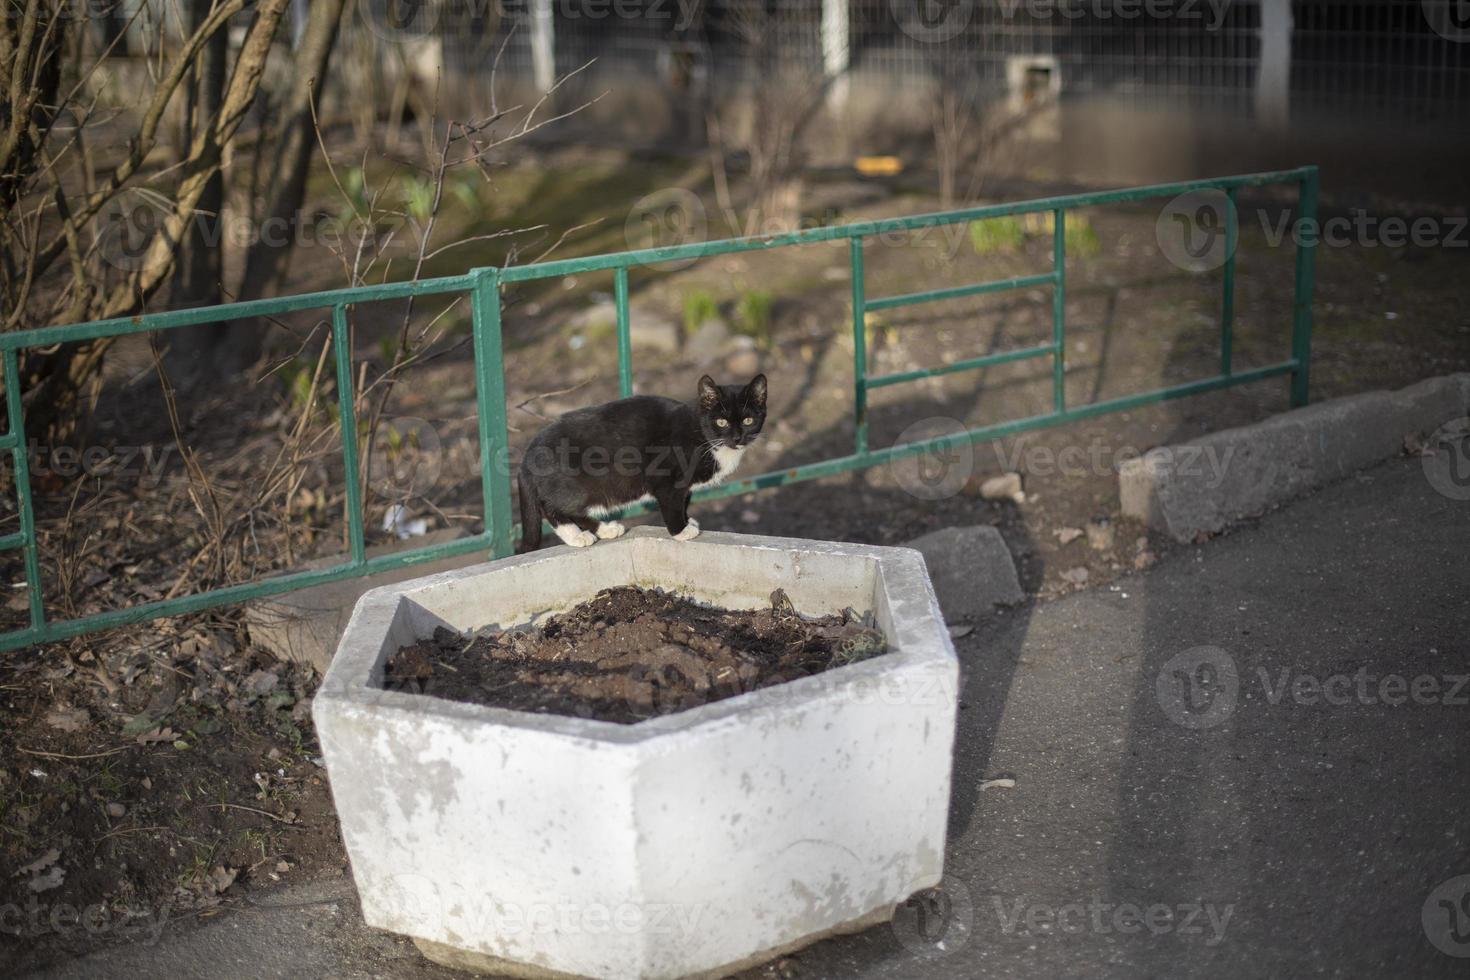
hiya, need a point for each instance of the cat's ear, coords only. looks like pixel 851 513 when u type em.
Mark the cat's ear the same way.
pixel 709 394
pixel 756 390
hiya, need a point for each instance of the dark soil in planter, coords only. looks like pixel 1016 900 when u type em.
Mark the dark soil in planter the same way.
pixel 631 654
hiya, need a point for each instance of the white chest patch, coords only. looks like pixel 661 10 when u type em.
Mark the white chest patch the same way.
pixel 602 510
pixel 726 460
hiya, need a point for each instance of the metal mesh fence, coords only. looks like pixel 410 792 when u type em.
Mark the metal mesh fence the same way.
pixel 1405 59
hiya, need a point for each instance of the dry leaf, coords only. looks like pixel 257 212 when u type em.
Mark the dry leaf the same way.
pixel 1066 535
pixel 49 880
pixel 1007 486
pixel 158 735
pixel 221 878
pixel 40 864
pixel 68 719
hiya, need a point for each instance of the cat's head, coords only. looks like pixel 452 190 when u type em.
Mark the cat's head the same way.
pixel 732 415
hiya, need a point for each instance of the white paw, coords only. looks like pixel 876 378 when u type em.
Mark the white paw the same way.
pixel 690 532
pixel 576 537
pixel 611 529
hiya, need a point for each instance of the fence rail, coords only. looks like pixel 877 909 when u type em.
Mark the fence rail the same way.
pixel 484 287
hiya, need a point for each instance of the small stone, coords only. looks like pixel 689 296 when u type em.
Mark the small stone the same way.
pixel 649 331
pixel 116 810
pixel 67 718
pixel 1066 535
pixel 957 632
pixel 1076 576
pixel 1007 486
pixel 261 682
pixel 750 517
pixel 971 569
pixel 1144 559
pixel 1100 534
pixel 707 342
pixel 743 364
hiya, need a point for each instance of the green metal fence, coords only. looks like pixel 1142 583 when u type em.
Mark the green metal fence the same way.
pixel 484 287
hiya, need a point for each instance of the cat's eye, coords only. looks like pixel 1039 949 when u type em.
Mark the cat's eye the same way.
pixel 747 421
pixel 721 423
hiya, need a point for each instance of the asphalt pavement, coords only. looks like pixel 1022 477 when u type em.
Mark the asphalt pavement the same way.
pixel 1252 760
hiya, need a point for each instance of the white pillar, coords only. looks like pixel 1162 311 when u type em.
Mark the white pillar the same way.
pixel 543 45
pixel 299 13
pixel 835 50
pixel 1273 78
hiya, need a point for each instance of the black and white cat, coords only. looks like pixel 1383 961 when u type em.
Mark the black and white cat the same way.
pixel 592 461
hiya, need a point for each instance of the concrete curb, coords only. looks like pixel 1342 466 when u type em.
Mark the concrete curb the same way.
pixel 1208 483
pixel 305 626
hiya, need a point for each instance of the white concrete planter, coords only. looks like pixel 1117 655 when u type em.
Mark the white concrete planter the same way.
pixel 694 843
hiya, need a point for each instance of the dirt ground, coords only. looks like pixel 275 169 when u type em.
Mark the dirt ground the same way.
pixel 167 764
pixel 630 654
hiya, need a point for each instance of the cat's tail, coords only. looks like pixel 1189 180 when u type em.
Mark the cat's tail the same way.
pixel 530 515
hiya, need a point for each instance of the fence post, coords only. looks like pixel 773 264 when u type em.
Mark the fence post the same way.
pixel 625 336
pixel 859 346
pixel 1301 321
pixel 347 415
pixel 19 454
pixel 490 396
pixel 1059 313
pixel 543 46
pixel 1227 287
